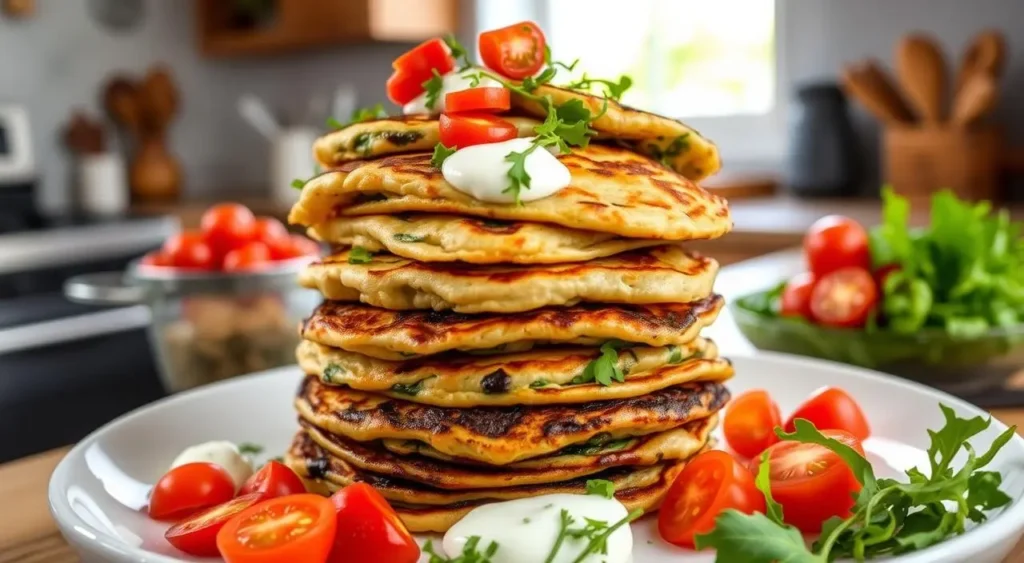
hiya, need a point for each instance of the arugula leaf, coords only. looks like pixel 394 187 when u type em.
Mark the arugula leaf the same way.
pixel 806 432
pixel 983 494
pixel 763 483
pixel 754 538
pixel 359 255
pixel 601 487
pixel 433 87
pixel 613 89
pixel 946 442
pixel 441 153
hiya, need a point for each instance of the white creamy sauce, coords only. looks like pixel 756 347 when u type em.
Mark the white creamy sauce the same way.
pixel 222 453
pixel 482 171
pixel 526 529
pixel 454 81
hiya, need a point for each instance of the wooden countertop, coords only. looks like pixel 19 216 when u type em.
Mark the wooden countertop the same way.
pixel 29 535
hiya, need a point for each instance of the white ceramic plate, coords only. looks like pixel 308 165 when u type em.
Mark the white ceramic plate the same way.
pixel 96 491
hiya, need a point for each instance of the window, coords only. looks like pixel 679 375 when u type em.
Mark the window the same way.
pixel 713 64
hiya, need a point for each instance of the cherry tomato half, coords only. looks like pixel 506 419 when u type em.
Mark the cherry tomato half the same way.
pixel 811 482
pixel 750 422
pixel 796 296
pixel 488 99
pixel 227 226
pixel 516 51
pixel 369 529
pixel 197 535
pixel 835 242
pixel 468 129
pixel 293 528
pixel 832 409
pixel 189 250
pixel 249 257
pixel 711 483
pixel 844 298
pixel 273 480
pixel 268 230
pixel 189 488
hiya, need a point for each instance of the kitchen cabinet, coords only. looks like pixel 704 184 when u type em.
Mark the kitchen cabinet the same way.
pixel 234 28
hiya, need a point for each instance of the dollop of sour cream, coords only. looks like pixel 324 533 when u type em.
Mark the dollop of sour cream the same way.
pixel 526 529
pixel 454 81
pixel 482 171
pixel 222 453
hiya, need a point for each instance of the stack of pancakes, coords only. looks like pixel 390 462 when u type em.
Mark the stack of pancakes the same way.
pixel 470 352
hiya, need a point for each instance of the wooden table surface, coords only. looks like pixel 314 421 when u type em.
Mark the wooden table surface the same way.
pixel 29 535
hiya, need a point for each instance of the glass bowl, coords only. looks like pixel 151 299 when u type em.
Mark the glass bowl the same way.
pixel 930 356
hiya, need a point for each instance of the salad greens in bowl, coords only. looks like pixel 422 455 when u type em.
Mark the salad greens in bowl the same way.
pixel 942 304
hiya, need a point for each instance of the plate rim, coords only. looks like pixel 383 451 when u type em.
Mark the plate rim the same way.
pixel 1009 524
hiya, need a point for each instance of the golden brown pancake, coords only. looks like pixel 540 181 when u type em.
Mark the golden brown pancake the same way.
pixel 397 335
pixel 661 274
pixel 502 435
pixel 613 190
pixel 450 238
pixel 538 377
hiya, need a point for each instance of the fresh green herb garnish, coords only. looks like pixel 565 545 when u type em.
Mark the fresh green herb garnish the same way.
pixel 601 487
pixel 248 448
pixel 333 370
pixel 458 52
pixel 406 237
pixel 359 255
pixel 597 445
pixel 539 383
pixel 441 153
pixel 433 88
pixel 333 123
pixel 411 389
pixel 675 355
pixel 375 111
pixel 470 553
pixel 613 89
pixel 605 368
pixel 298 183
pixel 889 517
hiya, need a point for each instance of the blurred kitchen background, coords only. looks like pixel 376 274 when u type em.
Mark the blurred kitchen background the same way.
pixel 122 120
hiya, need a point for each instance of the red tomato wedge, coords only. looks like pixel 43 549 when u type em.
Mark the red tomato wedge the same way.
pixel 796 296
pixel 516 51
pixel 295 528
pixel 273 480
pixel 750 422
pixel 844 298
pixel 189 488
pixel 832 409
pixel 835 242
pixel 197 535
pixel 417 66
pixel 811 482
pixel 466 130
pixel 710 483
pixel 369 529
pixel 227 226
pixel 486 99
pixel 189 250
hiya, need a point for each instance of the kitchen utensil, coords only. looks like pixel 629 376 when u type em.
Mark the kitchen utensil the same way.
pixel 920 161
pixel 291 158
pixel 975 100
pixel 83 135
pixel 871 85
pixel 102 184
pixel 921 69
pixel 823 161
pixel 253 110
pixel 985 54
pixel 159 99
pixel 121 100
pixel 98 491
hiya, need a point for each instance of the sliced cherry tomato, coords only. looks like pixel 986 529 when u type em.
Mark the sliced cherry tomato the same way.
pixel 295 528
pixel 293 247
pixel 487 99
pixel 274 480
pixel 268 230
pixel 835 242
pixel 249 257
pixel 426 57
pixel 796 296
pixel 710 483
pixel 468 129
pixel 197 535
pixel 369 529
pixel 189 250
pixel 811 482
pixel 403 87
pixel 844 298
pixel 832 409
pixel 189 488
pixel 227 226
pixel 158 258
pixel 516 51
pixel 750 422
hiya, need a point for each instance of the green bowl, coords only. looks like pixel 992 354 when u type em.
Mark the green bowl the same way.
pixel 930 356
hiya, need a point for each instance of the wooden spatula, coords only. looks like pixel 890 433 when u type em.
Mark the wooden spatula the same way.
pixel 986 54
pixel 921 69
pixel 975 100
pixel 871 85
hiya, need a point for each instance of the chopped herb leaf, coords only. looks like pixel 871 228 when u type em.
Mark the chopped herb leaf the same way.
pixel 613 89
pixel 470 553
pixel 332 371
pixel 539 383
pixel 433 88
pixel 675 355
pixel 600 444
pixel 359 255
pixel 248 448
pixel 333 123
pixel 411 389
pixel 375 111
pixel 605 368
pixel 601 487
pixel 526 520
pixel 441 153
pixel 406 237
pixel 298 183
pixel 458 52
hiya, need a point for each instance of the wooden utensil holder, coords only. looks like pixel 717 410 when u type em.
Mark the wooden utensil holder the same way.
pixel 919 161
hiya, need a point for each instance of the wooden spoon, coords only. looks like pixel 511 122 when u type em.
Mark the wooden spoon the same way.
pixel 121 100
pixel 870 84
pixel 159 98
pixel 976 99
pixel 921 69
pixel 986 54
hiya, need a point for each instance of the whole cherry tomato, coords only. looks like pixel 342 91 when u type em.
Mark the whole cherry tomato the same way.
pixel 189 488
pixel 750 422
pixel 832 409
pixel 796 296
pixel 835 242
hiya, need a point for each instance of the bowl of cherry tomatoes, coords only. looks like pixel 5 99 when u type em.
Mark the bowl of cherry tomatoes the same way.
pixel 223 299
pixel 941 304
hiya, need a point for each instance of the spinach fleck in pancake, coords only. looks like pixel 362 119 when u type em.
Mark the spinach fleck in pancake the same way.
pixel 397 335
pixel 678 146
pixel 612 190
pixel 318 470
pixel 539 377
pixel 450 238
pixel 502 435
pixel 651 449
pixel 662 274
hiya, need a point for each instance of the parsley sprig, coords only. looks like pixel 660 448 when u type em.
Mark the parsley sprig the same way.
pixel 889 517
pixel 470 553
pixel 433 87
pixel 441 153
pixel 603 369
pixel 359 255
pixel 360 115
pixel 595 532
pixel 458 52
pixel 613 89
